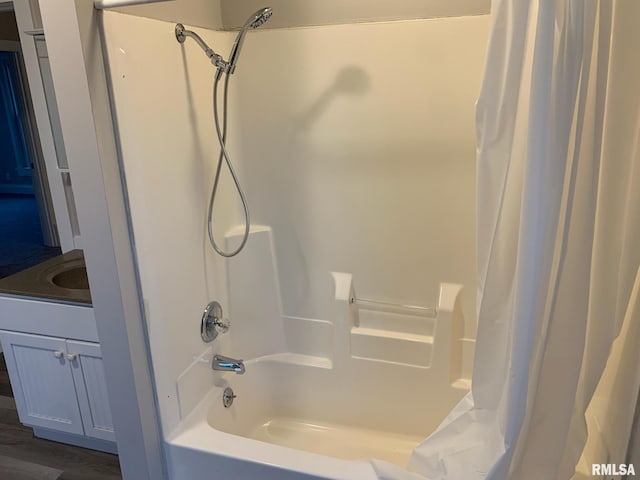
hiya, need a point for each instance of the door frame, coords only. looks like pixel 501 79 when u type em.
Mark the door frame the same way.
pixel 74 44
pixel 29 23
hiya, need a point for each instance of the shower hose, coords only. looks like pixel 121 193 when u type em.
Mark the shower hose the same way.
pixel 224 155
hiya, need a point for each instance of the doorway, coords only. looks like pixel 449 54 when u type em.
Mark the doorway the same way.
pixel 28 233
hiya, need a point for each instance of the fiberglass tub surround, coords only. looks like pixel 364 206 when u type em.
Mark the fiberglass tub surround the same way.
pixel 350 212
pixel 371 382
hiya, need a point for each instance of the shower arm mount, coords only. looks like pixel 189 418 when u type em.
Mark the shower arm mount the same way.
pixel 181 35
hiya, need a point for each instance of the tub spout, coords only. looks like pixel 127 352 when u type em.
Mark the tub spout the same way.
pixel 227 364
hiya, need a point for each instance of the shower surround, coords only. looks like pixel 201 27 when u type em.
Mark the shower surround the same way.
pixel 355 146
pixel 369 382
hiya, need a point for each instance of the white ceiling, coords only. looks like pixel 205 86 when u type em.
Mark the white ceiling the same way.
pixel 296 13
pixel 231 14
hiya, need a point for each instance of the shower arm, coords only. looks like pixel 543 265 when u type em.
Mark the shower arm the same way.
pixel 217 60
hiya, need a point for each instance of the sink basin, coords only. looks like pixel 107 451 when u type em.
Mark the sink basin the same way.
pixel 75 278
pixel 70 274
pixel 62 278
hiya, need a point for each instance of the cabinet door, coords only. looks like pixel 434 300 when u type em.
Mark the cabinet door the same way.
pixel 91 388
pixel 42 381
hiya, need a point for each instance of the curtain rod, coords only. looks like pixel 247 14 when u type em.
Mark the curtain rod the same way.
pixel 102 4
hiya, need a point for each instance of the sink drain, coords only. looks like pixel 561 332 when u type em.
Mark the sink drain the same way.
pixel 227 397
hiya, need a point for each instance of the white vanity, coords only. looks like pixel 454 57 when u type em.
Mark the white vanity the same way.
pixel 55 366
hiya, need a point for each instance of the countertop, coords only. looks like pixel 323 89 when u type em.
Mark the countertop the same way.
pixel 35 282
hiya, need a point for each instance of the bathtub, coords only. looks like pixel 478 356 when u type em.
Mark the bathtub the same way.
pixel 376 394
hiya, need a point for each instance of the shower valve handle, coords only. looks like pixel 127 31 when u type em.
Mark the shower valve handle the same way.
pixel 222 325
pixel 212 323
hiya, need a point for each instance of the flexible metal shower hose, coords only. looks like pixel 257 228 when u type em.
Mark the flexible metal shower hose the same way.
pixel 222 138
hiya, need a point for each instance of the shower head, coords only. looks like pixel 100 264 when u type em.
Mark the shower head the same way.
pixel 258 18
pixel 254 21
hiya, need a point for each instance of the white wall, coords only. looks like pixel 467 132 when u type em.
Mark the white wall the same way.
pixel 162 94
pixel 357 146
pixel 354 142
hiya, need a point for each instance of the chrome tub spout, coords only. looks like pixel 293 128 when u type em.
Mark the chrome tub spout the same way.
pixel 227 364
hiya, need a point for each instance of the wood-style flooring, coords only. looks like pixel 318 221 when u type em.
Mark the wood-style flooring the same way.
pixel 25 457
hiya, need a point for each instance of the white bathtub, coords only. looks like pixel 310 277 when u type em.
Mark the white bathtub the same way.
pixel 377 395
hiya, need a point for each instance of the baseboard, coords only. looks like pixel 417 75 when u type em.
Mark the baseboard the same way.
pixel 77 440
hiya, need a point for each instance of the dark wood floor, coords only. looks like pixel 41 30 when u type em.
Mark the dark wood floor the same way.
pixel 18 445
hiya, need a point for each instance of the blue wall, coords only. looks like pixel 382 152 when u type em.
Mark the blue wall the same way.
pixel 13 147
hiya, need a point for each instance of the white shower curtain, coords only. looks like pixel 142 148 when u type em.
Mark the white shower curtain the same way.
pixel 558 128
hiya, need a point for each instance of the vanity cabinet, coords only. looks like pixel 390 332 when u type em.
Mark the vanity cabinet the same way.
pixel 59 385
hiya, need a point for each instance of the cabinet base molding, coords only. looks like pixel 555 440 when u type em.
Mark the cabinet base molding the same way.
pixel 76 440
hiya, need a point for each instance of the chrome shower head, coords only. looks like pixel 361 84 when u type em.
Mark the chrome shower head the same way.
pixel 253 22
pixel 258 18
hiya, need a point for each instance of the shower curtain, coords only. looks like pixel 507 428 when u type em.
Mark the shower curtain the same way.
pixel 557 362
